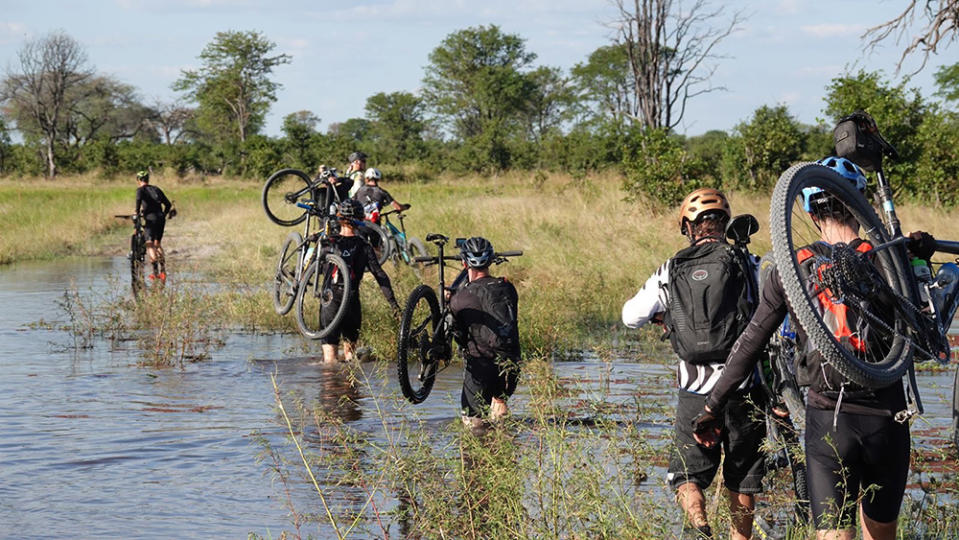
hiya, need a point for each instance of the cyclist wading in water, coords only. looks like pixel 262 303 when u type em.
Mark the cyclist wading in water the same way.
pixel 486 328
pixel 359 257
pixel 154 206
pixel 708 268
pixel 852 440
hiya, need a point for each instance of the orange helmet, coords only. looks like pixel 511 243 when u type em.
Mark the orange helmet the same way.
pixel 700 201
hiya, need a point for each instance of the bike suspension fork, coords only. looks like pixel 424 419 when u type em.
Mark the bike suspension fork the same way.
pixel 888 207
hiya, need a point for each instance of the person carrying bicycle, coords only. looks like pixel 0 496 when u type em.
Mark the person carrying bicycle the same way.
pixel 852 439
pixel 374 198
pixel 355 170
pixel 486 328
pixel 153 205
pixel 676 296
pixel 359 257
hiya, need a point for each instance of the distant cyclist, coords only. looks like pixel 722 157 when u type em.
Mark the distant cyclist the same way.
pixel 359 257
pixel 374 198
pixel 485 315
pixel 154 206
pixel 355 170
pixel 857 454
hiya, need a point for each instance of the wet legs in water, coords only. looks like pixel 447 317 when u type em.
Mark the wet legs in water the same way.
pixel 157 259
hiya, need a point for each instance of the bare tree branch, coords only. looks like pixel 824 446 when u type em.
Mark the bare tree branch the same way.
pixel 670 50
pixel 942 18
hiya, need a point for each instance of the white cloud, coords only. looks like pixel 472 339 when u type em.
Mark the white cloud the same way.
pixel 12 32
pixel 833 30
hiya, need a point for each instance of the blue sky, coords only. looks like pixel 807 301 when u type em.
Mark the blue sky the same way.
pixel 342 52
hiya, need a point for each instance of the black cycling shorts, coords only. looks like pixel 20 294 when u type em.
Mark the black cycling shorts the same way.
pixel 349 326
pixel 484 379
pixel 865 453
pixel 741 438
pixel 153 226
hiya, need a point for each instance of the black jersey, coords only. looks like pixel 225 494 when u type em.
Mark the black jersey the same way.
pixel 360 257
pixel 152 202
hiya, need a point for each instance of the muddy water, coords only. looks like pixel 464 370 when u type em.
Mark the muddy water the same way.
pixel 93 445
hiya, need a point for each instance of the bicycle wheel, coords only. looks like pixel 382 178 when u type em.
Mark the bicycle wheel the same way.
pixel 789 389
pixel 421 344
pixel 414 248
pixel 323 296
pixel 863 286
pixel 284 281
pixel 955 409
pixel 380 241
pixel 281 192
pixel 788 455
pixel 138 251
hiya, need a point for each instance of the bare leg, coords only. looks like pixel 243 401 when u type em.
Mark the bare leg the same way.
pixel 741 508
pixel 152 255
pixel 329 353
pixel 160 257
pixel 349 350
pixel 836 534
pixel 498 410
pixel 693 503
pixel 875 530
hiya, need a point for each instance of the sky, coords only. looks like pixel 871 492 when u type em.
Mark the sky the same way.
pixel 786 51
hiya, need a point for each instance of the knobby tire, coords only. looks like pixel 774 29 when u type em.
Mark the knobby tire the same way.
pixel 285 279
pixel 276 204
pixel 325 286
pixel 877 367
pixel 417 358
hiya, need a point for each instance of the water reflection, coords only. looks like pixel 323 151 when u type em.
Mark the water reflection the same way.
pixel 339 395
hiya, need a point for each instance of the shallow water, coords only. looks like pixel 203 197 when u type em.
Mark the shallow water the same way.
pixel 93 445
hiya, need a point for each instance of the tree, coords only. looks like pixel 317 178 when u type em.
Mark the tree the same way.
pixel 659 168
pixel 947 78
pixel 170 120
pixel 898 112
pixel 771 141
pixel 397 125
pixel 668 50
pixel 41 93
pixel 549 102
pixel 107 109
pixel 604 82
pixel 299 128
pixel 942 23
pixel 476 84
pixel 232 89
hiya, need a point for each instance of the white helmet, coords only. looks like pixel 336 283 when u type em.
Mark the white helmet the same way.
pixel 374 174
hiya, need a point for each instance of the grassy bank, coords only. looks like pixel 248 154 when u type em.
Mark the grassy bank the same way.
pixel 586 249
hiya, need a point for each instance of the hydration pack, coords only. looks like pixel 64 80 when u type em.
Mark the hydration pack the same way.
pixel 497 333
pixel 712 295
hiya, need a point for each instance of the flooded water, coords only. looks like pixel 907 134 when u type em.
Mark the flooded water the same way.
pixel 91 444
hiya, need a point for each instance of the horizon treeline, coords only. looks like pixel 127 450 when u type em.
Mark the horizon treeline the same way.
pixel 484 108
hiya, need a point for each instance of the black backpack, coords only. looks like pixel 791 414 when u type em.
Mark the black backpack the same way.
pixel 497 334
pixel 712 295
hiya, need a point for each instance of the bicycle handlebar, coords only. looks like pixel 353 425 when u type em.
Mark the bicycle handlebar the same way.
pixel 513 253
pixel 947 246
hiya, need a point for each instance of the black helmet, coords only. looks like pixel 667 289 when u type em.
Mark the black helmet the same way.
pixel 357 156
pixel 477 252
pixel 350 209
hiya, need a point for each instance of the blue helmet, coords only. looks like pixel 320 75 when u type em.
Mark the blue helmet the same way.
pixel 845 168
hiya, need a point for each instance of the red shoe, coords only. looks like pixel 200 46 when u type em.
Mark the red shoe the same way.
pixel 163 277
pixel 152 277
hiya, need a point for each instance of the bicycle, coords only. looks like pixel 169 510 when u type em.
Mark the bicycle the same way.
pixel 286 188
pixel 399 246
pixel 138 251
pixel 425 341
pixel 308 262
pixel 906 316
